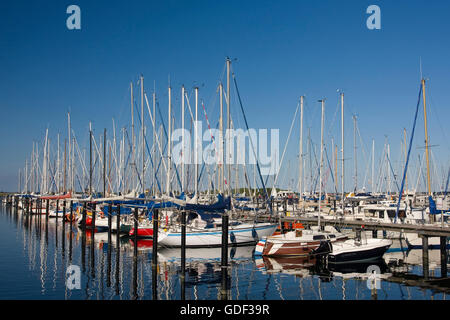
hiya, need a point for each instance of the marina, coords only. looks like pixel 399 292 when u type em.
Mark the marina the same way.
pixel 226 155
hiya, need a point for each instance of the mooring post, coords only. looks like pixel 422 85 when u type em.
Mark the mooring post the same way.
pixel 63 239
pixel 71 212
pixel 155 253
pixel 117 287
pixel 57 210
pixel 94 215
pixel 155 238
pixel 443 247
pixel 136 220
pixel 83 237
pixel 425 259
pixel 183 255
pixel 224 265
pixel 83 219
pixel 64 213
pixel 46 209
pixel 92 247
pixel 118 221
pixel 70 231
pixel 108 272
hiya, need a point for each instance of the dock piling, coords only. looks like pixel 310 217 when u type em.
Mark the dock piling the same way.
pixel 443 248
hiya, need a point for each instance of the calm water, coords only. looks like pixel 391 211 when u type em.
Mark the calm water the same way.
pixel 35 258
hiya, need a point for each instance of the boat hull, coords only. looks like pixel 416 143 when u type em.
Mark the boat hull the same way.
pixel 242 235
pixel 360 254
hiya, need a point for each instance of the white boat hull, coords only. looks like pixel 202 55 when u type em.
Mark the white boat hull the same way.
pixel 243 234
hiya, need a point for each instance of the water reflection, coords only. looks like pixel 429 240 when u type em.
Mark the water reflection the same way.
pixel 115 267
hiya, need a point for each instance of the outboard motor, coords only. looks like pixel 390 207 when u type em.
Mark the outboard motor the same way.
pixel 325 247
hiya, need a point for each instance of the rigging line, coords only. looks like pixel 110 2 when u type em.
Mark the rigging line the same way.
pixel 331 171
pixel 407 158
pixel 392 171
pixel 165 133
pixel 285 146
pixel 251 142
pixel 148 150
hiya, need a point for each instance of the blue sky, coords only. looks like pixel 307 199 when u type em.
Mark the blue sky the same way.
pixel 284 49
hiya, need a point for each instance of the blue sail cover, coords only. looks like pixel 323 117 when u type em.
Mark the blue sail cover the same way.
pixel 221 205
pixel 433 209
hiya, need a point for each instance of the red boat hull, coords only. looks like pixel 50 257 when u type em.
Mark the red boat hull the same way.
pixel 143 232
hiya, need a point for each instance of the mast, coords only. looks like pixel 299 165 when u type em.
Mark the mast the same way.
pixel 142 134
pixel 406 174
pixel 222 141
pixel 300 160
pixel 154 139
pixel 169 147
pixel 373 165
pixel 65 165
pixel 70 148
pixel 228 126
pixel 183 189
pixel 90 160
pixel 196 146
pixel 57 169
pixel 26 176
pixel 321 159
pixel 133 151
pixel 426 137
pixel 354 153
pixel 342 151
pixel 104 163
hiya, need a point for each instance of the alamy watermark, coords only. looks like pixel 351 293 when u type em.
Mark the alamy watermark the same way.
pixel 73 280
pixel 233 146
pixel 374 20
pixel 374 280
pixel 73 21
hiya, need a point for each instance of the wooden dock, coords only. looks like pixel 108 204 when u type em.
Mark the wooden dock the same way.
pixel 422 230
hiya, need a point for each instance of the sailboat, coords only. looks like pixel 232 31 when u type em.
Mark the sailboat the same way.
pixel 301 242
pixel 204 229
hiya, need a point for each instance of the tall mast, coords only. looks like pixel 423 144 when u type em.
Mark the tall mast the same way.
pixel 373 165
pixel 142 134
pixel 183 189
pixel 426 137
pixel 300 158
pixel 154 139
pixel 196 146
pixel 342 151
pixel 169 138
pixel 228 127
pixel 57 169
pixel 26 176
pixel 65 165
pixel 354 153
pixel 72 159
pixel 104 163
pixel 406 174
pixel 321 159
pixel 90 160
pixel 133 151
pixel 222 141
pixel 70 149
pixel 45 165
